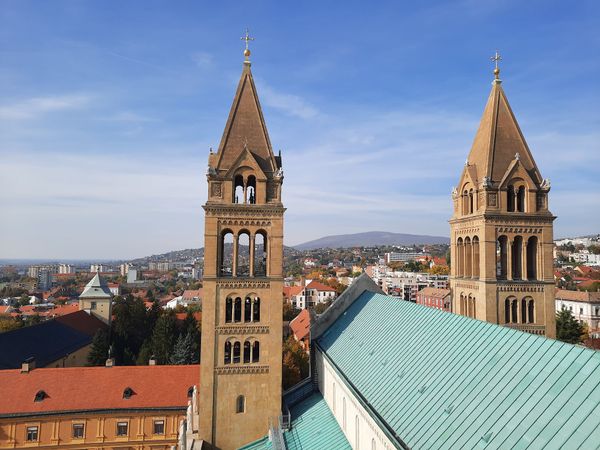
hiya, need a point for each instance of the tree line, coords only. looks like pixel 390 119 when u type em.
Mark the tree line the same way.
pixel 138 334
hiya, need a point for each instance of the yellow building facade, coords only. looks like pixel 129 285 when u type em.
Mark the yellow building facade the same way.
pixel 502 230
pixel 241 358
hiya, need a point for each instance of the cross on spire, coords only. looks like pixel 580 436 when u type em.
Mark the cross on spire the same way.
pixel 496 58
pixel 247 39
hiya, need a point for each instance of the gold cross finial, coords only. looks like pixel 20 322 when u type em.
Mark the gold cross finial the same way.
pixel 496 58
pixel 247 38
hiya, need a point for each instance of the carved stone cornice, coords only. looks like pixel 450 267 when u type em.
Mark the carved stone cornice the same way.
pixel 233 283
pixel 241 211
pixel 236 369
pixel 518 229
pixel 242 329
pixel 515 287
pixel 465 284
pixel 245 222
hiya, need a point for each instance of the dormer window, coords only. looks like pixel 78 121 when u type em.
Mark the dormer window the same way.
pixel 127 393
pixel 40 396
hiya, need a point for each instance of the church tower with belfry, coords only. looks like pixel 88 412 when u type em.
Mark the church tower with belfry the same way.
pixel 241 358
pixel 502 231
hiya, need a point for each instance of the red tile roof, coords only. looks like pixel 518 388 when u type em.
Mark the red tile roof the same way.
pixel 300 325
pixel 292 291
pixel 189 294
pixel 577 296
pixel 82 321
pixel 433 292
pixel 319 286
pixel 96 388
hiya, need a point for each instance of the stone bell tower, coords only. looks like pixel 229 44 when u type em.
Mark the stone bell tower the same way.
pixel 241 362
pixel 501 229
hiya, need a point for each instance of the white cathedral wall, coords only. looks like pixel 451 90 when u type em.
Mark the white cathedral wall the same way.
pixel 337 394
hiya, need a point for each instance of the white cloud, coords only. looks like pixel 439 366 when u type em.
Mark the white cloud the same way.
pixel 290 104
pixel 33 107
pixel 203 59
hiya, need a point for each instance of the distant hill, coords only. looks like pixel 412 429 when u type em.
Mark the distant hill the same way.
pixel 371 238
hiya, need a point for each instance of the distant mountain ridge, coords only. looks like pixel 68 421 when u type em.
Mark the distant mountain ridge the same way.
pixel 371 238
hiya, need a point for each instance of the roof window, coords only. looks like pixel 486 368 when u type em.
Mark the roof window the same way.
pixel 39 396
pixel 128 392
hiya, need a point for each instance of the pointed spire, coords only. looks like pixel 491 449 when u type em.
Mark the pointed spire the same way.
pixel 499 138
pixel 245 127
pixel 96 288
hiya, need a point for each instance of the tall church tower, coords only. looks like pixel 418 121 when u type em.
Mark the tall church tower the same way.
pixel 241 362
pixel 501 229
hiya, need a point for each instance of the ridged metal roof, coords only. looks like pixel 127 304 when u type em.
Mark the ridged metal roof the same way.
pixel 444 381
pixel 313 427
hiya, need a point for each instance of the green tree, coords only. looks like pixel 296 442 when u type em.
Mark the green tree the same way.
pixel 99 351
pixel 163 337
pixel 194 328
pixel 183 352
pixel 320 308
pixel 567 328
pixel 145 353
pixel 9 324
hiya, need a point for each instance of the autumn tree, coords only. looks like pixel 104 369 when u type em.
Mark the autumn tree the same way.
pixel 295 363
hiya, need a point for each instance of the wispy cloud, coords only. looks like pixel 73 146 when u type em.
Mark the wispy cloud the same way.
pixel 290 104
pixel 203 59
pixel 36 106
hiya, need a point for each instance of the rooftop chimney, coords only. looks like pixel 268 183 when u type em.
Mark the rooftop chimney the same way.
pixel 28 365
pixel 152 361
pixel 110 362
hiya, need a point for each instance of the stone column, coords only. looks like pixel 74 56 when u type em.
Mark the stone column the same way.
pixel 235 256
pixel 508 259
pixel 251 253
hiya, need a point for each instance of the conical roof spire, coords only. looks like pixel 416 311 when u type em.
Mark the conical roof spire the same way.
pixel 499 138
pixel 96 288
pixel 246 127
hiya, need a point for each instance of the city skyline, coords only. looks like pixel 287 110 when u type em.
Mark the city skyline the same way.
pixel 109 113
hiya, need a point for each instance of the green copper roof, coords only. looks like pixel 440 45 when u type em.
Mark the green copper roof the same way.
pixel 313 427
pixel 442 381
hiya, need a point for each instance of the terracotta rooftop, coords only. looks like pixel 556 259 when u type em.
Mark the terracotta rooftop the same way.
pixel 319 286
pixel 291 291
pixel 190 294
pixel 577 296
pixel 434 292
pixel 96 388
pixel 300 325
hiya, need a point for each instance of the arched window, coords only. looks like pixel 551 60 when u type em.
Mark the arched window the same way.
pixel 236 352
pixel 247 350
pixel 507 310
pixel 255 351
pixel 243 254
pixel 356 433
pixel 532 244
pixel 227 358
pixel 247 309
pixel 251 189
pixel 463 305
pixel 344 413
pixel 471 202
pixel 226 253
pixel 523 311
pixel 238 191
pixel 465 202
pixel 501 258
pixel 237 310
pixel 521 199
pixel 514 306
pixel 517 249
pixel 260 254
pixel 459 257
pixel 530 310
pixel 468 259
pixel 256 309
pixel 475 244
pixel 240 404
pixel 510 198
pixel 228 310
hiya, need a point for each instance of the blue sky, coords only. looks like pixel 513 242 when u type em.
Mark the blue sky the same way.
pixel 108 109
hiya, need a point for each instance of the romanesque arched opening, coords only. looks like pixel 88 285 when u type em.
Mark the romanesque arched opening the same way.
pixel 238 189
pixel 475 244
pixel 459 257
pixel 521 199
pixel 517 258
pixel 228 310
pixel 468 260
pixel 255 351
pixel 243 254
pixel 237 310
pixel 530 310
pixel 226 253
pixel 510 198
pixel 260 253
pixel 251 190
pixel 501 258
pixel 247 351
pixel 256 309
pixel 532 244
